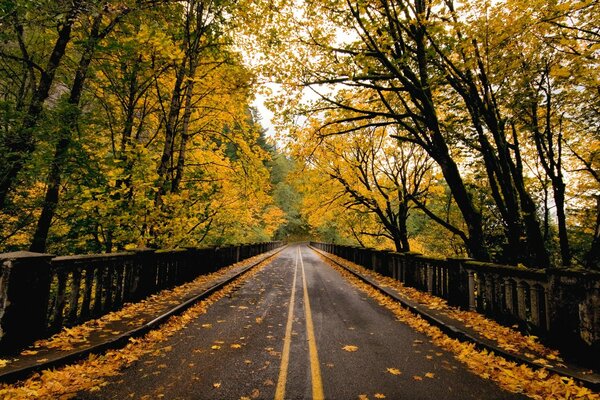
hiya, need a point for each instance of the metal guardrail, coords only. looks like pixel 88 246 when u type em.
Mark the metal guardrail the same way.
pixel 40 294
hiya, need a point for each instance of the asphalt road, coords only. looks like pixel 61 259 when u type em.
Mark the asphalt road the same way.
pixel 285 333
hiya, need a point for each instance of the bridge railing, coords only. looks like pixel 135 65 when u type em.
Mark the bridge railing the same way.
pixel 40 294
pixel 561 305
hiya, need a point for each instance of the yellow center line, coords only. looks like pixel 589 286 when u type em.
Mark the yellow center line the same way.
pixel 315 369
pixel 285 356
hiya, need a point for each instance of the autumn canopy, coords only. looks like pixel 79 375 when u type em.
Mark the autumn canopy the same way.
pixel 467 128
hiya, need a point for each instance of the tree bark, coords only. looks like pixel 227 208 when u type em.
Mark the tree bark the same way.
pixel 69 125
pixel 592 259
pixel 22 143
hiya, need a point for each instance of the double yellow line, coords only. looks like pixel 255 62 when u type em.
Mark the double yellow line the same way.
pixel 315 369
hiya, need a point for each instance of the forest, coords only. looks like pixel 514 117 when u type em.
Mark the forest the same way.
pixel 441 127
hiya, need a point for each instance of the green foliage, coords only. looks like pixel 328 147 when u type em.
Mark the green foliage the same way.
pixel 163 150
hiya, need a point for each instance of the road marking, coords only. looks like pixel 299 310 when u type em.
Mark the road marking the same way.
pixel 285 356
pixel 315 369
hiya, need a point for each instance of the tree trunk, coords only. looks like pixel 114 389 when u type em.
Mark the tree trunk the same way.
pixel 592 259
pixel 187 115
pixel 23 143
pixel 402 229
pixel 559 201
pixel 69 125
pixel 475 241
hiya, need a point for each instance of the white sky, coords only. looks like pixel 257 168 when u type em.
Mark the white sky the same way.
pixel 266 116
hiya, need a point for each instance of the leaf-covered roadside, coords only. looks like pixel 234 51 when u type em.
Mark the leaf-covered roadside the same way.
pixel 91 374
pixel 537 384
pixel 69 338
pixel 504 337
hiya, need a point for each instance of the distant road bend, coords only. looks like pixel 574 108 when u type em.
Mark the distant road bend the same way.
pixel 298 330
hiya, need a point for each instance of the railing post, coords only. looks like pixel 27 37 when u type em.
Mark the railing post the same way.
pixel 24 291
pixel 145 275
pixel 458 282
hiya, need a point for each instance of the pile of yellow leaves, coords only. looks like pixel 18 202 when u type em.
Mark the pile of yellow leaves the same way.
pixel 90 374
pixel 537 384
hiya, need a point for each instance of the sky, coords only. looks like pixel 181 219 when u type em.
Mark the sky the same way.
pixel 266 116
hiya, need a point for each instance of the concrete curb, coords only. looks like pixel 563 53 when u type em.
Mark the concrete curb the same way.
pixel 455 333
pixel 122 339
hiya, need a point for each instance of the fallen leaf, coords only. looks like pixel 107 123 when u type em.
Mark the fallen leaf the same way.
pixel 215 347
pixel 379 396
pixel 363 397
pixel 268 382
pixel 429 375
pixel 29 352
pixel 207 326
pixel 236 346
pixel 217 385
pixel 417 378
pixel 394 371
pixel 350 348
pixel 255 393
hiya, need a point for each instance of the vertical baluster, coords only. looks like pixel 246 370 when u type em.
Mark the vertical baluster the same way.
pixel 98 282
pixel 480 281
pixel 443 280
pixel 508 296
pixel 472 303
pixel 127 280
pixel 87 293
pixel 489 293
pixel 111 286
pixel 439 272
pixel 51 299
pixel 57 318
pixel 119 285
pixel 546 309
pixel 498 294
pixel 535 296
pixel 521 306
pixel 430 276
pixel 74 295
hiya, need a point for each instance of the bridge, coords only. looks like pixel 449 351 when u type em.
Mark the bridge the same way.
pixel 283 322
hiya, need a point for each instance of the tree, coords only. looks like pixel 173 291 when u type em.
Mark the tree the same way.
pixel 444 75
pixel 35 82
pixel 372 175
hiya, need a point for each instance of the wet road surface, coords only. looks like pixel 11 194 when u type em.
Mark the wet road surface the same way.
pixel 298 330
